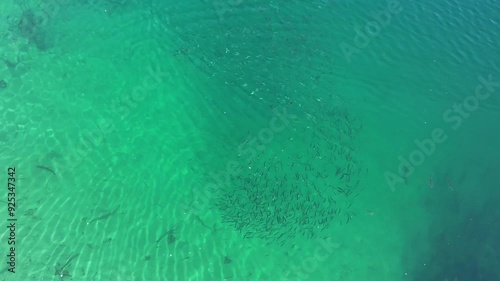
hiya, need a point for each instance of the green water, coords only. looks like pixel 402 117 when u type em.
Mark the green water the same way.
pixel 251 140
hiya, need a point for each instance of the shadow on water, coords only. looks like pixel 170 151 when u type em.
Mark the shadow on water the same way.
pixel 30 26
pixel 464 245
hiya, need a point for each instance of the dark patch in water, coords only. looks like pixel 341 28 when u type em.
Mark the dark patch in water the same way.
pixel 30 27
pixel 466 248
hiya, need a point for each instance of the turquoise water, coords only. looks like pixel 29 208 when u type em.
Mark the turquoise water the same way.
pixel 251 140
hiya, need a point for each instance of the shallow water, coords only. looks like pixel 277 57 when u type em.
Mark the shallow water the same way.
pixel 252 140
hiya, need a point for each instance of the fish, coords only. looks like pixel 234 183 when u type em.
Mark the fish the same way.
pixel 46 169
pixel 430 181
